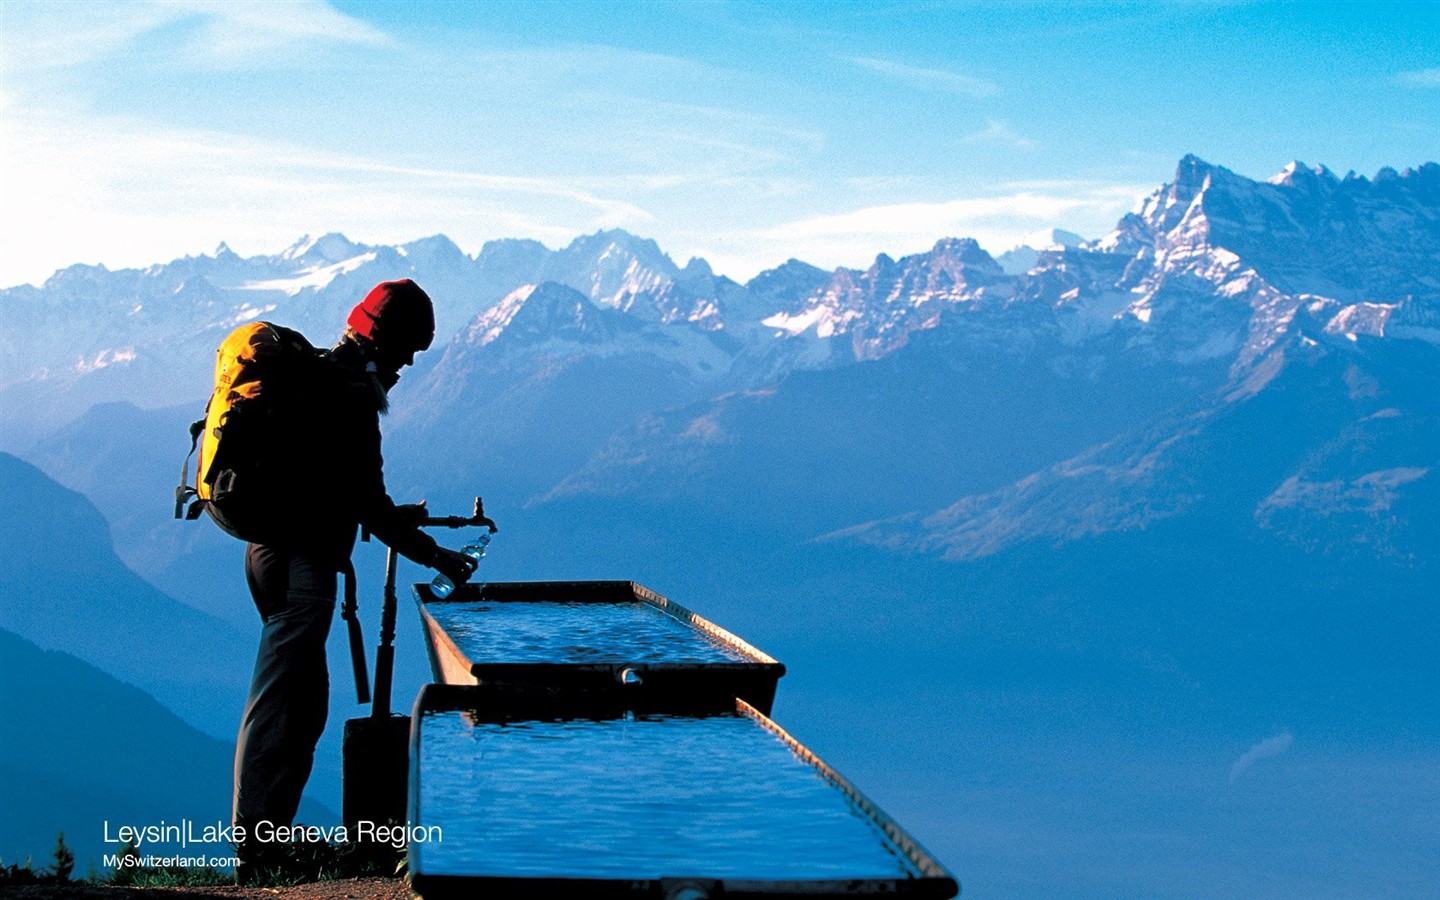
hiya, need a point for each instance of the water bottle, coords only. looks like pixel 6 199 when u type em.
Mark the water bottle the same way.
pixel 442 587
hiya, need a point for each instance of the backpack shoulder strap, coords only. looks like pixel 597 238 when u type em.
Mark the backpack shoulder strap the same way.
pixel 184 491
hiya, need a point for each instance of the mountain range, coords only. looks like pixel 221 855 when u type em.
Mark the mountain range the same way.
pixel 1183 473
pixel 64 589
pixel 1354 254
pixel 94 751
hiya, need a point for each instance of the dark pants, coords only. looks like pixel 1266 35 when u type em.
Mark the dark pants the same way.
pixel 290 691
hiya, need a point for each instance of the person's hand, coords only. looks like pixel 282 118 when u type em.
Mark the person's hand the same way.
pixel 413 513
pixel 454 565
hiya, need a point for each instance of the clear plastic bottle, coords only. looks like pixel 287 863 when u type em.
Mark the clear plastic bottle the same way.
pixel 443 587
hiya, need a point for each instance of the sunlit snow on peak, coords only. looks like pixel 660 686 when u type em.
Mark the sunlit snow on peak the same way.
pixel 490 324
pixel 313 278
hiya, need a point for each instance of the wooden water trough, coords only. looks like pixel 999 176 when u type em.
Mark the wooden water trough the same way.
pixel 586 637
pixel 518 795
pixel 595 739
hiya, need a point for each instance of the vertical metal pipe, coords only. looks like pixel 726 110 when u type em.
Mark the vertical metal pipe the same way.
pixel 385 653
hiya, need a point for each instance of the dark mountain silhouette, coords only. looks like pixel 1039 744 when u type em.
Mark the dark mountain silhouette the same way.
pixel 126 460
pixel 63 588
pixel 82 749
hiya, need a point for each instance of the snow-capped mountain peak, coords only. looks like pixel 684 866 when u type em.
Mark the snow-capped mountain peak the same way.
pixel 1211 265
pixel 327 248
pixel 1021 259
pixel 532 314
pixel 312 278
pixel 1053 239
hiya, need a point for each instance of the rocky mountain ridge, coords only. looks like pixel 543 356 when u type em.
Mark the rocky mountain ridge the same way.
pixel 1210 264
pixel 610 370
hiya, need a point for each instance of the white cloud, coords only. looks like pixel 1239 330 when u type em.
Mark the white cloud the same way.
pixel 997 131
pixel 1421 78
pixel 1021 211
pixel 1270 747
pixel 235 34
pixel 120 192
pixel 676 143
pixel 929 79
pixel 41 35
pixel 130 191
pixel 853 238
pixel 937 219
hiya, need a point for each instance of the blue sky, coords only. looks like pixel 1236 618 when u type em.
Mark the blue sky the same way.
pixel 746 133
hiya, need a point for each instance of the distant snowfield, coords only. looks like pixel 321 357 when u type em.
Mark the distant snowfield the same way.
pixel 314 278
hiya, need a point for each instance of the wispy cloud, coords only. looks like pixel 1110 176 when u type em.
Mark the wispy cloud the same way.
pixel 157 193
pixel 640 137
pixel 643 117
pixel 1420 78
pixel 852 238
pixel 49 35
pixel 998 132
pixel 689 142
pixel 234 33
pixel 1270 747
pixel 952 217
pixel 934 219
pixel 929 79
pixel 41 35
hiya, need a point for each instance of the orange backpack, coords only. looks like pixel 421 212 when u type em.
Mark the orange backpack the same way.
pixel 261 376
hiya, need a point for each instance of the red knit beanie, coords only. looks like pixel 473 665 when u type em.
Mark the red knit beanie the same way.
pixel 396 311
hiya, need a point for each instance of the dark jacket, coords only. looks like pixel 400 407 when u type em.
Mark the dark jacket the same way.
pixel 337 481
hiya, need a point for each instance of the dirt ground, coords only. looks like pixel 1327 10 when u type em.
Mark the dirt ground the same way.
pixel 345 889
